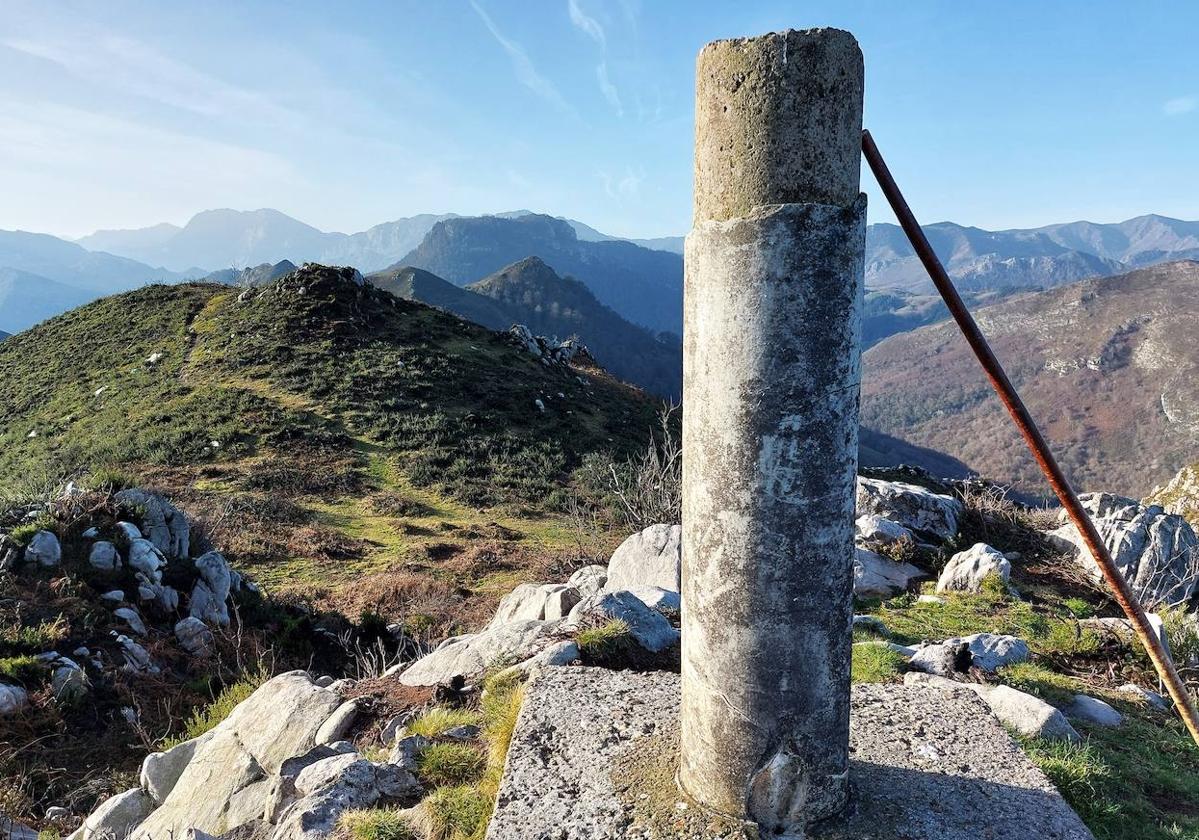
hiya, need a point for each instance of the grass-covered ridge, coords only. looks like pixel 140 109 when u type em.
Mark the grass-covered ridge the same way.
pixel 312 360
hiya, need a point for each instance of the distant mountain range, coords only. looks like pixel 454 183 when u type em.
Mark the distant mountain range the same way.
pixel 638 279
pixel 41 275
pixel 642 285
pixel 1108 367
pixel 529 292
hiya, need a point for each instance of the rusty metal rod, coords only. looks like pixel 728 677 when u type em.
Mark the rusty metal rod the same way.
pixel 1032 436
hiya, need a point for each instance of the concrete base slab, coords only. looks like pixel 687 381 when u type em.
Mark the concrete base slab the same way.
pixel 595 752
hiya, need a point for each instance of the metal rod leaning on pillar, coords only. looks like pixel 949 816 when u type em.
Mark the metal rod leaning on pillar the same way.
pixel 1032 436
pixel 771 372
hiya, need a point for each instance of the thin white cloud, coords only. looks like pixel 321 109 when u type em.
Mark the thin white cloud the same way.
pixel 594 30
pixel 1179 106
pixel 624 187
pixel 608 89
pixel 134 68
pixel 587 24
pixel 522 65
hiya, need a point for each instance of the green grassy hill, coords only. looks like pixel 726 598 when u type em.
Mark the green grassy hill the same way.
pixel 332 428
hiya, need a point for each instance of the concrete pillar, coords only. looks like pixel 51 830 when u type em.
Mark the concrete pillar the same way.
pixel 771 374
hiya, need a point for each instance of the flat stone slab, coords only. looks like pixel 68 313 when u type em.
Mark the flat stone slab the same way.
pixel 594 755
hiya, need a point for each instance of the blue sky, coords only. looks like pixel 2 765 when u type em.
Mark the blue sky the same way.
pixel 123 114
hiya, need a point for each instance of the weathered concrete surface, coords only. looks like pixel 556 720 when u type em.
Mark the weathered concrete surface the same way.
pixel 778 119
pixel 771 373
pixel 594 753
pixel 770 420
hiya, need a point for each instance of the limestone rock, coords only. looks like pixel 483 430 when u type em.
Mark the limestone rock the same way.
pixel 118 816
pixel 44 550
pixel 126 533
pixel 131 617
pixel 648 627
pixel 164 524
pixel 137 658
pixel 13 699
pixel 991 651
pixel 1157 552
pixel 1094 710
pixel 967 569
pixel 67 678
pixel 927 514
pixel 649 558
pixel 557 654
pixel 1028 715
pixel 589 580
pixel 535 602
pixel 665 601
pixel 875 576
pixel 406 750
pixel 283 790
pixel 874 530
pixel 1151 698
pixel 147 560
pixel 222 784
pixel 359 784
pixel 104 556
pixel 194 636
pixel 335 728
pixel 161 770
pixel 211 592
pixel 942 660
pixel 467 657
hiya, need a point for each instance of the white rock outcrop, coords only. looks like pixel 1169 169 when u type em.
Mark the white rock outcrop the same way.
pixel 966 570
pixel 467 657
pixel 226 782
pixel 651 557
pixel 536 602
pixel 1157 552
pixel 876 576
pixel 929 515
pixel 651 630
pixel 44 549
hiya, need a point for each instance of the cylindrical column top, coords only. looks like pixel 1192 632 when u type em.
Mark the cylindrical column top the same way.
pixel 778 120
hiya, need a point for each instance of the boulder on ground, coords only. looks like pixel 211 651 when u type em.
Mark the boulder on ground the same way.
pixel 44 549
pixel 1157 552
pixel 131 617
pixel 665 601
pixel 929 515
pixel 118 816
pixel 536 602
pixel 147 560
pixel 104 556
pixel 227 781
pixel 467 657
pixel 1028 715
pixel 966 570
pixel 557 654
pixel 1151 698
pixel 942 660
pixel 589 580
pixel 355 784
pixel 876 576
pixel 338 724
pixel 13 699
pixel 164 524
pixel 874 530
pixel 991 651
pixel 210 595
pixel 161 770
pixel 1093 710
pixel 651 630
pixel 649 558
pixel 194 636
